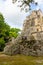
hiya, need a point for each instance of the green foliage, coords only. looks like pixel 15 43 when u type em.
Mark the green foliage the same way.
pixel 2 44
pixel 14 32
pixel 1 18
pixel 6 32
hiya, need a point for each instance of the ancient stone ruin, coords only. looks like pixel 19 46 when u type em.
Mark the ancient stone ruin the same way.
pixel 30 41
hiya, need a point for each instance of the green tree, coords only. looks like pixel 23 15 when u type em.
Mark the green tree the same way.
pixel 14 32
pixel 4 32
pixel 2 44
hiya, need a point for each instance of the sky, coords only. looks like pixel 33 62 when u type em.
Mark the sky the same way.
pixel 13 15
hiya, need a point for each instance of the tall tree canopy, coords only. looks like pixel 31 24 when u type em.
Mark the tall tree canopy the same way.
pixel 6 32
pixel 25 3
pixel 14 32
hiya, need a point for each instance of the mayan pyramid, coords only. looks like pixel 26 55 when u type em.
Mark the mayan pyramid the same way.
pixel 33 25
pixel 30 41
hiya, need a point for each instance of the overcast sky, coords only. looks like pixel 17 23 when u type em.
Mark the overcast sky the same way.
pixel 12 14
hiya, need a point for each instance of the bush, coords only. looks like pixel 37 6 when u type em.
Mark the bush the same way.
pixel 2 44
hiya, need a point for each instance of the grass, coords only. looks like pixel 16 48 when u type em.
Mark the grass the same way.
pixel 20 60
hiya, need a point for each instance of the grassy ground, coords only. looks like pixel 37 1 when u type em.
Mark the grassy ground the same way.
pixel 20 60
